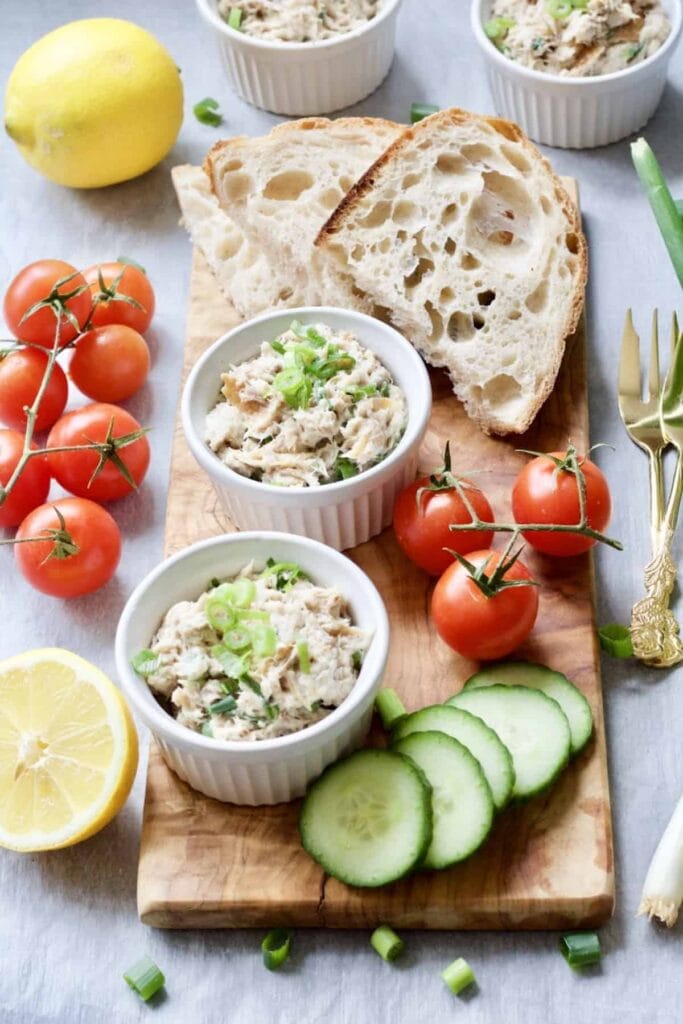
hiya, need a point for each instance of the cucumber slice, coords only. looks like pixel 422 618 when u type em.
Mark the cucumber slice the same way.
pixel 482 743
pixel 461 797
pixel 553 684
pixel 368 819
pixel 531 725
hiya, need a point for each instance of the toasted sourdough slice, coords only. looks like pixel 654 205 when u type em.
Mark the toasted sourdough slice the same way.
pixel 244 273
pixel 464 232
pixel 281 188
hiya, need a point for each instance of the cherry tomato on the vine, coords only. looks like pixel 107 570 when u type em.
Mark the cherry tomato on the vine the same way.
pixel 74 554
pixel 134 284
pixel 35 283
pixel 21 374
pixel 479 626
pixel 546 492
pixel 75 470
pixel 32 486
pixel 110 363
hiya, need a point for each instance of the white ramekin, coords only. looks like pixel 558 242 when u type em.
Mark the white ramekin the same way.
pixel 342 514
pixel 306 78
pixel 576 113
pixel 264 771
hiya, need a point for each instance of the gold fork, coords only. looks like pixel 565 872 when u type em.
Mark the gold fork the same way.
pixel 654 629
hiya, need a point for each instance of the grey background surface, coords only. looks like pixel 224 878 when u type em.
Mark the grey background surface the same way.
pixel 68 924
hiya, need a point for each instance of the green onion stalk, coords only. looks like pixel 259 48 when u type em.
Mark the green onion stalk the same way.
pixel 666 210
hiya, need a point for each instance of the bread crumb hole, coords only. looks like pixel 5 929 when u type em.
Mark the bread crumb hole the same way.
pixel 436 320
pixel 377 215
pixel 330 198
pixel 410 180
pixel 288 185
pixel 449 214
pixel 424 266
pixel 538 299
pixel 517 159
pixel 401 236
pixel 385 245
pixel 469 262
pixel 572 242
pixel 404 212
pixel 477 152
pixel 502 392
pixel 546 205
pixel 478 321
pixel 514 314
pixel 460 326
pixel 236 185
pixel 446 295
pixel 449 163
pixel 284 294
pixel 230 245
pixel 450 246
pixel 357 252
pixel 345 183
pixel 486 298
pixel 232 165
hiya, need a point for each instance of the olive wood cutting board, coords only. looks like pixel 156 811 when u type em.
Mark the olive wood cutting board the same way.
pixel 547 864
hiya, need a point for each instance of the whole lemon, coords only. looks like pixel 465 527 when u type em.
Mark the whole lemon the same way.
pixel 95 102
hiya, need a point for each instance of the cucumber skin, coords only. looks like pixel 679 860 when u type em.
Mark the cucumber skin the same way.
pixel 428 818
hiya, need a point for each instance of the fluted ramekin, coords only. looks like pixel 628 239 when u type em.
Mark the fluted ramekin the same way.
pixel 576 113
pixel 342 514
pixel 300 79
pixel 267 771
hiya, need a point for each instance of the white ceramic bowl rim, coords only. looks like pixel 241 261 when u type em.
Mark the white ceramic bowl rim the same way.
pixel 209 12
pixel 585 81
pixel 164 724
pixel 213 465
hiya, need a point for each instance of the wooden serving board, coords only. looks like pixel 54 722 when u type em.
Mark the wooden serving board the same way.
pixel 547 864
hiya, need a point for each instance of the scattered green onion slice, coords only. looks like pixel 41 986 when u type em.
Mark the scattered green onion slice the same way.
pixel 251 615
pixel 145 662
pixel 294 386
pixel 207 729
pixel 286 573
pixel 663 206
pixel 220 615
pixel 243 593
pixel 580 949
pixel 458 975
pixel 206 111
pixel 387 943
pixel 345 468
pixel 366 391
pixel 304 657
pixel 559 9
pixel 263 640
pixel 145 978
pixel 616 640
pixel 235 18
pixel 418 111
pixel 224 706
pixel 277 346
pixel 232 664
pixel 307 334
pixel 390 707
pixel 237 639
pixel 357 660
pixel 275 948
pixel 497 28
pixel 214 582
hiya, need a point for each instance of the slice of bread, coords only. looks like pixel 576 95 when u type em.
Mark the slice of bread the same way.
pixel 464 232
pixel 243 271
pixel 280 190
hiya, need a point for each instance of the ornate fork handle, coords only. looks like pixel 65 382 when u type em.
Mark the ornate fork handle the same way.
pixel 654 629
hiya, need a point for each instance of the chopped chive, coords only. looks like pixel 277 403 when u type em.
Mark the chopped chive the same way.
pixel 366 391
pixel 387 943
pixel 272 711
pixel 357 660
pixel 275 948
pixel 253 686
pixel 219 614
pixel 206 111
pixel 235 18
pixel 580 949
pixel 304 657
pixel 345 468
pixel 390 707
pixel 207 729
pixel 224 706
pixel 458 975
pixel 286 573
pixel 263 640
pixel 214 582
pixel 145 978
pixel 418 111
pixel 277 346
pixel 145 662
pixel 315 706
pixel 616 640
pixel 632 51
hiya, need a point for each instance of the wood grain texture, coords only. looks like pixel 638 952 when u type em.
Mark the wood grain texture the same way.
pixel 547 864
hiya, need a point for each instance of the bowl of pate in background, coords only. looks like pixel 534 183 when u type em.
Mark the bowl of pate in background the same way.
pixel 304 78
pixel 576 112
pixel 343 513
pixel 262 771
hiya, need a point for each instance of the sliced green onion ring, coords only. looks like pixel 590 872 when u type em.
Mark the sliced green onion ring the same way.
pixel 207 112
pixel 237 639
pixel 220 615
pixel 616 640
pixel 243 593
pixel 458 975
pixel 418 111
pixel 497 28
pixel 559 9
pixel 235 18
pixel 390 707
pixel 145 978
pixel 387 943
pixel 263 640
pixel 145 662
pixel 580 949
pixel 275 948
pixel 304 657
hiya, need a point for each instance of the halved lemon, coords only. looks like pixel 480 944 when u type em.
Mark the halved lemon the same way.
pixel 68 750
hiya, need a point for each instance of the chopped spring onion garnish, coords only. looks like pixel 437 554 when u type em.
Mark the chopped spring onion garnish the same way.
pixel 243 593
pixel 561 9
pixel 235 18
pixel 616 640
pixel 580 949
pixel 366 391
pixel 458 975
pixel 497 28
pixel 207 729
pixel 253 686
pixel 307 334
pixel 145 978
pixel 237 639
pixel 263 640
pixel 220 615
pixel 663 889
pixel 387 943
pixel 278 347
pixel 345 468
pixel 206 111
pixel 145 662
pixel 304 657
pixel 224 706
pixel 286 573
pixel 390 707
pixel 357 660
pixel 275 948
pixel 663 206
pixel 214 582
pixel 418 111
pixel 632 51
pixel 232 664
pixel 294 386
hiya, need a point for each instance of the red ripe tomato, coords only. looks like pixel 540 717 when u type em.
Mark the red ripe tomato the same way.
pixel 110 363
pixel 21 373
pixel 32 486
pixel 478 626
pixel 544 493
pixel 422 525
pixel 134 284
pixel 73 555
pixel 34 283
pixel 74 470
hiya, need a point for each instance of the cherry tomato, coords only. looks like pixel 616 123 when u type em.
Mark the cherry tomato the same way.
pixel 544 494
pixel 481 627
pixel 21 373
pixel 35 282
pixel 74 470
pixel 32 486
pixel 51 564
pixel 134 284
pixel 110 363
pixel 422 527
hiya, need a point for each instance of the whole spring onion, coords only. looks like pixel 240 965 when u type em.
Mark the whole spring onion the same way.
pixel 581 949
pixel 387 943
pixel 458 976
pixel 664 207
pixel 389 707
pixel 145 978
pixel 616 640
pixel 418 111
pixel 275 948
pixel 207 112
pixel 663 890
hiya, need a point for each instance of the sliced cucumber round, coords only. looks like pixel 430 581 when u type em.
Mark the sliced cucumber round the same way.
pixel 554 684
pixel 368 819
pixel 462 803
pixel 532 726
pixel 473 733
